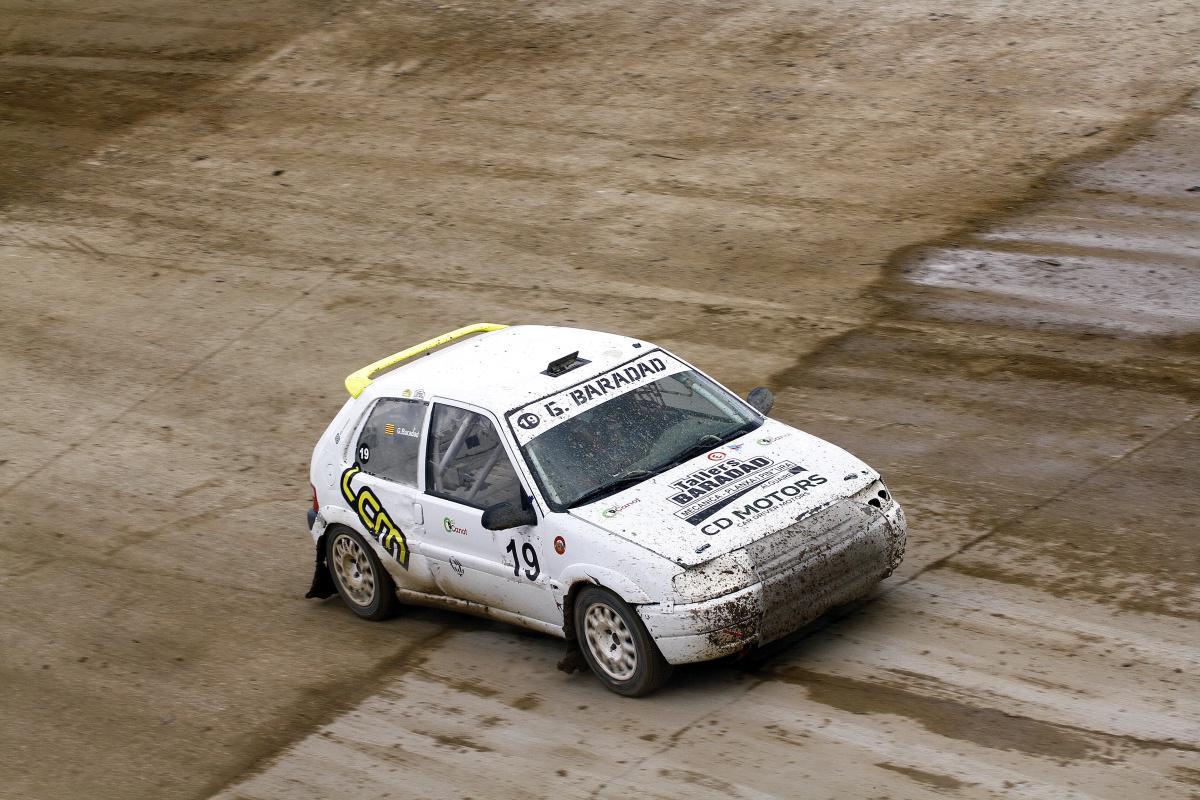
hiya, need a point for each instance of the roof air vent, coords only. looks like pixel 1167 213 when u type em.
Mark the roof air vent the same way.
pixel 561 366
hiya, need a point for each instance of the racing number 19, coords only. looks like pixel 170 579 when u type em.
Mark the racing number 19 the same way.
pixel 530 557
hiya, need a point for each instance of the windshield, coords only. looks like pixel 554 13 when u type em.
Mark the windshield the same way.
pixel 633 436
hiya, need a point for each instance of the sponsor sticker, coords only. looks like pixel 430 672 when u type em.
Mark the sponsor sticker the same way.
pixel 743 512
pixel 697 484
pixel 560 545
pixel 770 439
pixel 450 527
pixel 614 510
pixel 702 493
pixel 375 518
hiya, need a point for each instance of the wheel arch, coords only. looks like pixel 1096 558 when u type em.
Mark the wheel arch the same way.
pixel 580 576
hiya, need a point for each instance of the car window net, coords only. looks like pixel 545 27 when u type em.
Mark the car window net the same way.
pixel 466 460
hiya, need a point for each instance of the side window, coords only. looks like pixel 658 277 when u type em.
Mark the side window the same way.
pixel 465 460
pixel 390 442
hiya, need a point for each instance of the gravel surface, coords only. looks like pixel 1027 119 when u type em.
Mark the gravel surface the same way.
pixel 210 213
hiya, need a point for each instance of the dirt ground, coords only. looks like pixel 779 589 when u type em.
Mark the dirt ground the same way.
pixel 956 239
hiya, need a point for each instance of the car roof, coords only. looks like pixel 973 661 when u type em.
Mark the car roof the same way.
pixel 504 369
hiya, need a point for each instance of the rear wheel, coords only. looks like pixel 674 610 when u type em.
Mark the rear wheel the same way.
pixel 359 577
pixel 616 645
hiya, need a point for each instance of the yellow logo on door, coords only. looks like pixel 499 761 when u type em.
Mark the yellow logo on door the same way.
pixel 374 518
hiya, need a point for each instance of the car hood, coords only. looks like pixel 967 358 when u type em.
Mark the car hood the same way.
pixel 732 495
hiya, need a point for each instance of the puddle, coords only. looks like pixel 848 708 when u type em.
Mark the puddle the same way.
pixel 1112 247
pixel 1053 354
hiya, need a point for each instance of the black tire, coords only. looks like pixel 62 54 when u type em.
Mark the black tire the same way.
pixel 617 633
pixel 364 585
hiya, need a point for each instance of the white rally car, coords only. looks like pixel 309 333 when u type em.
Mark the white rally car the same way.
pixel 593 487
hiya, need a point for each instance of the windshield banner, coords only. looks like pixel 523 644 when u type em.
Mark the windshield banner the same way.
pixel 542 415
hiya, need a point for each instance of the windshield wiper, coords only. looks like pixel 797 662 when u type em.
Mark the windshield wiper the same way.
pixel 702 445
pixel 705 443
pixel 605 489
pixel 741 430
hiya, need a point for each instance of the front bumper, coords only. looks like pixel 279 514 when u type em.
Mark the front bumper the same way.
pixel 830 558
pixel 703 631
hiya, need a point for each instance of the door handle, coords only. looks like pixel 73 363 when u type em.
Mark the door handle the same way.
pixel 418 514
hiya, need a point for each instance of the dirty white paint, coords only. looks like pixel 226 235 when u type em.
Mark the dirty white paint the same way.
pixel 739 545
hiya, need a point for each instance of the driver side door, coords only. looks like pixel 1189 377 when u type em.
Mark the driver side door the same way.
pixel 468 467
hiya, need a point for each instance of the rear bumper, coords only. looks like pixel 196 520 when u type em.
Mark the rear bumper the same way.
pixel 312 519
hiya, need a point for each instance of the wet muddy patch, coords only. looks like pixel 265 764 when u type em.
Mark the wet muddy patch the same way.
pixel 1048 355
pixel 526 702
pixel 68 85
pixel 700 779
pixel 986 727
pixel 931 779
pixel 1187 775
pixel 1162 595
pixel 460 743
pixel 451 39
pixel 465 685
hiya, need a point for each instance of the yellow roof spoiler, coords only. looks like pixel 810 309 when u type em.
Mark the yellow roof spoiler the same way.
pixel 358 381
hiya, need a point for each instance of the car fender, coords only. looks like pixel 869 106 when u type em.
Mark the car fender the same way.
pixel 336 515
pixel 628 591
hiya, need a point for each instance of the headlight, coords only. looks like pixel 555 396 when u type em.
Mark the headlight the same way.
pixel 722 575
pixel 876 494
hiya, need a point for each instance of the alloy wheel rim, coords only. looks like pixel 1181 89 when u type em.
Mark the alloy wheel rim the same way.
pixel 610 641
pixel 354 572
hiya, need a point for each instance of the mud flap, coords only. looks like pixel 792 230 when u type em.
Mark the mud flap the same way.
pixel 573 661
pixel 322 582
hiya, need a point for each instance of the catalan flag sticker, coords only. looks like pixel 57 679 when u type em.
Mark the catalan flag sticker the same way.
pixel 390 429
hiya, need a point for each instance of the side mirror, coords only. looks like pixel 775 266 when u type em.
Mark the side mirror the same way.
pixel 503 516
pixel 761 399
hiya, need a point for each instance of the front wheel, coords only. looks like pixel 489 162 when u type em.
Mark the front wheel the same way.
pixel 616 645
pixel 360 579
